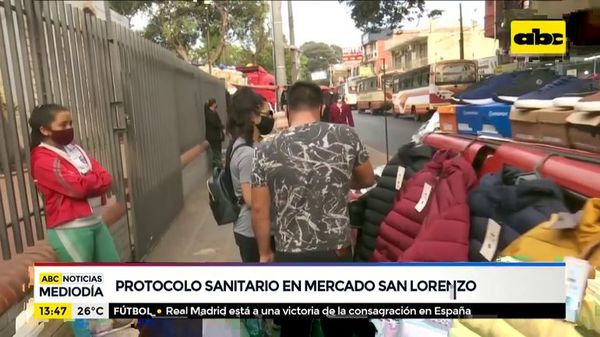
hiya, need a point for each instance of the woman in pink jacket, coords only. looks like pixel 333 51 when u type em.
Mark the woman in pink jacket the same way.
pixel 340 113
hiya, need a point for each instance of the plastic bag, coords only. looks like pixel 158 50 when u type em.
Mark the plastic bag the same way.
pixel 430 126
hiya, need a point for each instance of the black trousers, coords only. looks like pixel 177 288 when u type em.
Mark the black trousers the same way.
pixel 217 154
pixel 301 327
pixel 249 247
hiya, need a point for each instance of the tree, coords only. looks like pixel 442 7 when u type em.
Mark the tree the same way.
pixel 378 15
pixel 183 26
pixel 130 8
pixel 303 71
pixel 175 26
pixel 320 55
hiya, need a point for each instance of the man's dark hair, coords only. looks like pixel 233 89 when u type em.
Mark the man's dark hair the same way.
pixel 303 94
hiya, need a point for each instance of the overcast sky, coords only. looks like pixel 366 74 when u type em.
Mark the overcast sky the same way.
pixel 330 21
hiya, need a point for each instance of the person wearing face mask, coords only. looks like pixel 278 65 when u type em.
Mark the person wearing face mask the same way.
pixel 73 185
pixel 340 113
pixel 267 122
pixel 249 120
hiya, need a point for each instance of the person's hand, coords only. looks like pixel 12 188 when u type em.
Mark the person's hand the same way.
pixel 267 258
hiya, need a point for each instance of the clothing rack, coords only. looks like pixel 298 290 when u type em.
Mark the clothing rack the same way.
pixel 576 171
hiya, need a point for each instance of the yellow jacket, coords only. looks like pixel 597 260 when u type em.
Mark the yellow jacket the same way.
pixel 545 244
pixel 512 328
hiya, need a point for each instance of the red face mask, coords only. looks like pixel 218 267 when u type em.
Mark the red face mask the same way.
pixel 63 137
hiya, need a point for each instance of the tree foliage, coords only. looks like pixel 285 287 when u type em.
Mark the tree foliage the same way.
pixel 378 15
pixel 129 8
pixel 232 32
pixel 183 26
pixel 320 55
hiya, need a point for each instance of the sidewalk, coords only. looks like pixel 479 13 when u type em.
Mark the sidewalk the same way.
pixel 377 158
pixel 195 237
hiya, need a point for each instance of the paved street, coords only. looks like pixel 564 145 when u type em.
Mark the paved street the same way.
pixel 371 129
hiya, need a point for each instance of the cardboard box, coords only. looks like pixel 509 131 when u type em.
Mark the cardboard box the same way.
pixel 547 126
pixel 448 118
pixel 496 120
pixel 584 130
pixel 553 125
pixel 524 125
pixel 469 119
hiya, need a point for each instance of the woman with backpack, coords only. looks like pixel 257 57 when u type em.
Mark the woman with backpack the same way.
pixel 247 122
pixel 249 119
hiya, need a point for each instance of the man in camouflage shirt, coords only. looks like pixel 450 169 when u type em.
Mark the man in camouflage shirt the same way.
pixel 305 173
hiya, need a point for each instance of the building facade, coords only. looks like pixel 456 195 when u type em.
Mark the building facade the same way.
pixel 375 54
pixel 420 48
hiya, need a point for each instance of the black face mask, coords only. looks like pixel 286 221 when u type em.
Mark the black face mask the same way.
pixel 266 125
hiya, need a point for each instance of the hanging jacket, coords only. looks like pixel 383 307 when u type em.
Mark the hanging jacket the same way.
pixel 369 211
pixel 545 244
pixel 440 232
pixel 517 208
pixel 68 194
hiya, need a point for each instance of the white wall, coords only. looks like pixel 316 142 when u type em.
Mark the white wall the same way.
pixel 98 8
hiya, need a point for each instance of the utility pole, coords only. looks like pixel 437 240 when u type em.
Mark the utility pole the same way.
pixel 385 115
pixel 293 47
pixel 462 40
pixel 207 3
pixel 278 46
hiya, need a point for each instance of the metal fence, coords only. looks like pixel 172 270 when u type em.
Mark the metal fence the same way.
pixel 135 105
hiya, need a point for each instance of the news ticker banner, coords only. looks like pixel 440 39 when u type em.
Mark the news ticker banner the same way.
pixel 414 290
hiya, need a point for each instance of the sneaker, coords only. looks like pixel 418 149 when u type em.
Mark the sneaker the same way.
pixel 569 100
pixel 483 93
pixel 561 88
pixel 589 103
pixel 523 84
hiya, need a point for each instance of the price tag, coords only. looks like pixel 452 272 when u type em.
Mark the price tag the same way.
pixel 400 177
pixel 420 206
pixel 490 244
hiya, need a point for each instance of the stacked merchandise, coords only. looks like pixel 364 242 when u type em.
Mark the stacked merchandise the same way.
pixel 531 105
pixel 590 306
pixel 444 212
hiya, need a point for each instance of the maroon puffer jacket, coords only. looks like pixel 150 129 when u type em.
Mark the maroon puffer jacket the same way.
pixel 440 232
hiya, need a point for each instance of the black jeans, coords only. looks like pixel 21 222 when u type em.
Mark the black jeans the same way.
pixel 217 154
pixel 248 247
pixel 301 327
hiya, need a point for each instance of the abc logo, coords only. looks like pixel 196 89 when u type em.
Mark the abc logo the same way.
pixel 536 37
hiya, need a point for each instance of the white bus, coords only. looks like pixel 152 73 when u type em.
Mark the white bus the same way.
pixel 349 90
pixel 420 91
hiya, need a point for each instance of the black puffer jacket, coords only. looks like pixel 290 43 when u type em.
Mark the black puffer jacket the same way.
pixel 517 208
pixel 368 212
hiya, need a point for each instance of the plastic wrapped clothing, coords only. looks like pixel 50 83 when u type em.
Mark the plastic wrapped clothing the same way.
pixel 440 230
pixel 517 208
pixel 369 211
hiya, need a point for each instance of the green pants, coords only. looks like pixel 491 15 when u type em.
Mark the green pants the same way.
pixel 86 244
